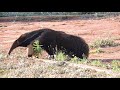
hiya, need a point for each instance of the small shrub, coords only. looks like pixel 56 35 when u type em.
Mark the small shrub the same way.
pixel 83 61
pixel 60 56
pixel 74 59
pixel 103 43
pixel 78 60
pixel 37 48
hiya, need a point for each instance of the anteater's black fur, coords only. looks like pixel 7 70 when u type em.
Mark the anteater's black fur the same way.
pixel 52 41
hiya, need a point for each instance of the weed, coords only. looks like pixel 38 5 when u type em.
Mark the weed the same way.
pixel 37 48
pixel 78 60
pixel 103 43
pixel 60 56
pixel 74 59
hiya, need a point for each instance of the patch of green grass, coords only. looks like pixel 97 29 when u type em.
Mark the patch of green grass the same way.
pixel 78 60
pixel 60 56
pixel 103 43
pixel 97 63
pixel 114 65
pixel 74 59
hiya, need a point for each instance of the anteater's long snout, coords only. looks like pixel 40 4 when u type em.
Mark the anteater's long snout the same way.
pixel 14 45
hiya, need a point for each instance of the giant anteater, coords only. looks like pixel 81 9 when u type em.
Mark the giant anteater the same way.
pixel 52 41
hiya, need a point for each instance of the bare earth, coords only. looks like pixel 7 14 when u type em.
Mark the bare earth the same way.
pixel 89 29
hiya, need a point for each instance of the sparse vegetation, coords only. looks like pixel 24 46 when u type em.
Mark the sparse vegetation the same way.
pixel 75 59
pixel 38 69
pixel 97 50
pixel 103 43
pixel 24 68
pixel 97 63
pixel 115 64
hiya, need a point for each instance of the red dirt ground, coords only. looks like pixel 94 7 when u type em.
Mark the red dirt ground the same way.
pixel 90 30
